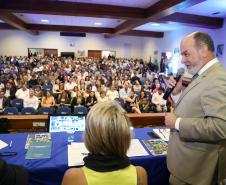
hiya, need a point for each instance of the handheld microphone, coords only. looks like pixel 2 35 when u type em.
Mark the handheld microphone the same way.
pixel 169 90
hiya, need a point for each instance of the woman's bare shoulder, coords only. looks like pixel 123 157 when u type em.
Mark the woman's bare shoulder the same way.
pixel 74 176
pixel 142 178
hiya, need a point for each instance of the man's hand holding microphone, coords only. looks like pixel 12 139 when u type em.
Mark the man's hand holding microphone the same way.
pixel 175 89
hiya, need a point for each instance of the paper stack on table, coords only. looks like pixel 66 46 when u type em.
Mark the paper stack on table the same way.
pixel 136 149
pixel 77 151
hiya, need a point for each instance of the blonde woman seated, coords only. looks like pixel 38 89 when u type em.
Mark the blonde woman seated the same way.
pixel 107 136
pixel 48 100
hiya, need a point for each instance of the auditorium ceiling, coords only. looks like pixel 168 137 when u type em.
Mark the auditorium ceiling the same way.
pixel 149 18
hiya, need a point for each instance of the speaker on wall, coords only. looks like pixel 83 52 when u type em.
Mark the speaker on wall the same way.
pixel 72 34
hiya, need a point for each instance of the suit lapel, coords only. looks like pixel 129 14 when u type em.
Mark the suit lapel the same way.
pixel 197 81
pixel 189 87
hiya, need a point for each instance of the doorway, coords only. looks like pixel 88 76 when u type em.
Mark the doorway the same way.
pixel 95 54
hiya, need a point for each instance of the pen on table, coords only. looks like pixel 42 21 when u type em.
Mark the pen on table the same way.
pixel 10 144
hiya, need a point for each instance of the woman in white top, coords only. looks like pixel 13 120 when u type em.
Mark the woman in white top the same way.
pixel 112 93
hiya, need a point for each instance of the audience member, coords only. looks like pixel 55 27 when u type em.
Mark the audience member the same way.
pixel 102 97
pixel 91 100
pixel 23 92
pixel 112 93
pixel 78 100
pixel 48 100
pixel 38 92
pixel 10 91
pixel 4 102
pixel 158 101
pixel 124 93
pixel 31 100
pixel 63 98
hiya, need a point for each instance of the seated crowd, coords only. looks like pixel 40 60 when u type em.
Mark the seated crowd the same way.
pixel 57 81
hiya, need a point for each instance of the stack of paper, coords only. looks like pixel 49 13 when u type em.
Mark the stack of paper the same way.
pixel 77 151
pixel 136 149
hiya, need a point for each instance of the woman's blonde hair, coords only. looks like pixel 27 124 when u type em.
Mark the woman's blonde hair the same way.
pixel 107 130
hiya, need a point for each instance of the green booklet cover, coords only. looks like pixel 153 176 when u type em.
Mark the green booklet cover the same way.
pixel 39 150
pixel 39 147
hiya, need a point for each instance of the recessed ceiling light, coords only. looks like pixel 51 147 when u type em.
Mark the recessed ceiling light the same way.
pixel 98 23
pixel 44 20
pixel 155 24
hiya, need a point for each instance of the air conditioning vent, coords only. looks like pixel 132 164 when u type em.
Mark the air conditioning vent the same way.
pixel 72 34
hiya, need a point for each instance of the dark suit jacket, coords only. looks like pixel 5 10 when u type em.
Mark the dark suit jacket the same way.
pixel 12 174
pixel 75 102
pixel 5 102
pixel 12 93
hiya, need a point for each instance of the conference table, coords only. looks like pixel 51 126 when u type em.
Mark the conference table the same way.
pixel 50 171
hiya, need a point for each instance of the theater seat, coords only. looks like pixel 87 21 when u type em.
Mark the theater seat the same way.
pixel 80 110
pixel 11 111
pixel 45 110
pixel 18 103
pixel 63 110
pixel 28 110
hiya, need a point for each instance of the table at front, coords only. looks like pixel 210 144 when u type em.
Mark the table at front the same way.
pixel 51 171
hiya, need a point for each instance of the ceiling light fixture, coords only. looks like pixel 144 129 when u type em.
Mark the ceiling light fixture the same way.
pixel 44 20
pixel 98 23
pixel 155 24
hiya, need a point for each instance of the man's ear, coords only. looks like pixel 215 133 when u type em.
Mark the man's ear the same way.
pixel 203 50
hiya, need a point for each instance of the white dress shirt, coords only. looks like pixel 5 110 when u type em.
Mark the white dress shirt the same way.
pixel 124 93
pixel 21 94
pixel 31 102
pixel 112 94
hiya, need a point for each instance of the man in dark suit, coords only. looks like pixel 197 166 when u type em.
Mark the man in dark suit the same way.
pixel 197 145
pixel 12 174
pixel 4 102
pixel 10 91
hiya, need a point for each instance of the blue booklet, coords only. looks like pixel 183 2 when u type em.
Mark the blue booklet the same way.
pixel 40 147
